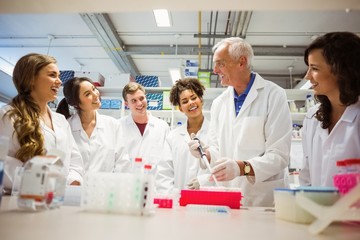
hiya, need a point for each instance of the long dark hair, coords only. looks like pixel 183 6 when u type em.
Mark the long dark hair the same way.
pixel 341 50
pixel 71 92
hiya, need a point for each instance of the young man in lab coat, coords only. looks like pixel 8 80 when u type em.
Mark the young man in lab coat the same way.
pixel 144 134
pixel 250 127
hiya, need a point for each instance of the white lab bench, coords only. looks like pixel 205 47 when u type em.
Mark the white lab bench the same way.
pixel 69 222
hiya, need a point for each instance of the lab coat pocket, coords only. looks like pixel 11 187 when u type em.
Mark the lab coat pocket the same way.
pixel 251 136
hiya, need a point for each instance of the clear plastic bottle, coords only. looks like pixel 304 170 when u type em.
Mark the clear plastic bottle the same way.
pixel 341 166
pixel 147 168
pixel 137 167
pixel 4 147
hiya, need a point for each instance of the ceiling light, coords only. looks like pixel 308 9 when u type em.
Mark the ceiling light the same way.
pixel 162 17
pixel 6 66
pixel 175 74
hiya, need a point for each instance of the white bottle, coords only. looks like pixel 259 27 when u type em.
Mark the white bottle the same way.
pixel 309 102
pixel 4 148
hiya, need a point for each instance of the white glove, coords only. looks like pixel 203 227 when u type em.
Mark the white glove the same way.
pixel 226 169
pixel 194 184
pixel 194 144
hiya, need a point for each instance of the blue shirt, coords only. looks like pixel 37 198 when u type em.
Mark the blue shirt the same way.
pixel 240 99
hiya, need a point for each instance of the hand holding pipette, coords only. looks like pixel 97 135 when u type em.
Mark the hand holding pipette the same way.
pixel 204 159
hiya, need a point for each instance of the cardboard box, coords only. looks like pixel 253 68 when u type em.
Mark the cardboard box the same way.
pixel 115 104
pixel 148 81
pixel 66 75
pixel 105 103
pixel 155 101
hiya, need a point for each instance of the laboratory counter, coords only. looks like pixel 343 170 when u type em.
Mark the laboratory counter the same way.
pixel 71 222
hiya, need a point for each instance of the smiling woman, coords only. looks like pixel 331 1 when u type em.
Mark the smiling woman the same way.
pixel 97 136
pixel 29 123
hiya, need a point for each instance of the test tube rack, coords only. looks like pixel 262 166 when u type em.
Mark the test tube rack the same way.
pixel 231 199
pixel 124 193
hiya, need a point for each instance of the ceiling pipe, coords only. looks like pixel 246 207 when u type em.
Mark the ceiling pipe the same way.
pixel 240 25
pixel 209 62
pixel 227 23
pixel 199 39
pixel 246 24
pixel 236 22
pixel 104 30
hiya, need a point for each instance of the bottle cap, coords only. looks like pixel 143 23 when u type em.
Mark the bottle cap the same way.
pixel 147 166
pixel 340 163
pixel 352 161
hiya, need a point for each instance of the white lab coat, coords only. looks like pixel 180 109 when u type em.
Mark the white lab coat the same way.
pixel 104 150
pixel 322 150
pixel 60 138
pixel 180 167
pixel 260 134
pixel 148 146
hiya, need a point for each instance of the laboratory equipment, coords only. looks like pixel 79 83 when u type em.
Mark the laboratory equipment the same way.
pixel 287 209
pixel 208 209
pixel 221 197
pixel 205 160
pixel 42 183
pixel 126 193
pixel 342 210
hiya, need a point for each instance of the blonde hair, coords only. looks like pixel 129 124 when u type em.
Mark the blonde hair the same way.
pixel 131 88
pixel 25 111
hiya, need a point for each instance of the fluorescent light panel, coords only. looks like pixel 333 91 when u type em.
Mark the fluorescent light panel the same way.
pixel 175 74
pixel 162 17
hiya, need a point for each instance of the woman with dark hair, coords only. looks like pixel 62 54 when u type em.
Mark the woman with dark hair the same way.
pixel 96 135
pixel 182 170
pixel 32 128
pixel 331 130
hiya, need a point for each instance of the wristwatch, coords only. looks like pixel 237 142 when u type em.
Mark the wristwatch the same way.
pixel 247 168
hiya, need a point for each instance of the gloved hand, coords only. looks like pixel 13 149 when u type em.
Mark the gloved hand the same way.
pixel 226 169
pixel 194 144
pixel 194 184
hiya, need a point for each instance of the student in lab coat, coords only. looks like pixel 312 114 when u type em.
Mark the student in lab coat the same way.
pixel 32 128
pixel 331 129
pixel 180 171
pixel 145 134
pixel 250 127
pixel 97 135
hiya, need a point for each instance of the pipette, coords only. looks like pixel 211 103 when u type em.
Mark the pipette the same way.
pixel 205 160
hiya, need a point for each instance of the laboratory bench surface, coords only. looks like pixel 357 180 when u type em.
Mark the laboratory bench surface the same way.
pixel 69 222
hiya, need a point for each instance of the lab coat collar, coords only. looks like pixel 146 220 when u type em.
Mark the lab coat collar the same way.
pixel 258 84
pixel 183 128
pixel 351 112
pixel 76 122
pixel 151 123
